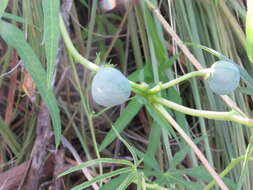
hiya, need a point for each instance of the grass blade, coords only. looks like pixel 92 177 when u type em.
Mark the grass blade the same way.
pixel 131 150
pixel 95 162
pixel 115 182
pixel 51 34
pixel 99 178
pixel 3 7
pixel 9 137
pixel 15 38
pixel 131 110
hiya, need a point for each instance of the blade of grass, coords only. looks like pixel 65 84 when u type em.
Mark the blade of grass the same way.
pixel 15 38
pixel 9 137
pixel 96 162
pixel 91 27
pixel 3 6
pixel 128 180
pixel 99 178
pixel 18 19
pixel 128 114
pixel 51 11
pixel 131 150
pixel 114 183
pixel 245 166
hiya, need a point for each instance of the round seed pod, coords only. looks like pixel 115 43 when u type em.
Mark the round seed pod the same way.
pixel 224 77
pixel 110 87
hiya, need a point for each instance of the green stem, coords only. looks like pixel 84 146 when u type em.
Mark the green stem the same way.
pixel 171 83
pixel 245 163
pixel 194 147
pixel 72 50
pixel 230 116
pixel 86 110
pixel 139 88
pixel 232 164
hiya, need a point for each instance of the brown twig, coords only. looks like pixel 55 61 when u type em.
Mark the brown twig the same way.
pixel 58 183
pixel 39 152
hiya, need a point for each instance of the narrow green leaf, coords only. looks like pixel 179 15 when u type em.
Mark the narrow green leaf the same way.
pixel 169 179
pixel 96 162
pixel 145 71
pixel 209 50
pixel 246 76
pixel 249 30
pixel 131 150
pixel 51 10
pixel 150 162
pixel 153 32
pixel 245 166
pixel 101 177
pixel 9 137
pixel 19 19
pixel 3 6
pixel 130 179
pixel 15 38
pixel 114 183
pixel 248 91
pixel 197 172
pixel 160 120
pixel 153 145
pixel 180 155
pixel 130 111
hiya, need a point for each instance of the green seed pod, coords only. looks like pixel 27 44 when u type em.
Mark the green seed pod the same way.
pixel 224 77
pixel 110 87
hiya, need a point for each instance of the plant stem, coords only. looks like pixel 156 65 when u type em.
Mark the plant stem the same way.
pixel 186 51
pixel 194 147
pixel 231 116
pixel 137 88
pixel 171 83
pixel 79 58
pixel 87 112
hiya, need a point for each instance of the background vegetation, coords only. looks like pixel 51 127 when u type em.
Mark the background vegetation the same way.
pixel 131 36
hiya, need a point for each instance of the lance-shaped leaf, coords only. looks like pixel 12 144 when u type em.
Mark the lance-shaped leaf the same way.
pixel 51 34
pixel 15 38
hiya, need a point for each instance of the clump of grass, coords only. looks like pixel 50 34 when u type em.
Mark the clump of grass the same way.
pixel 160 145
